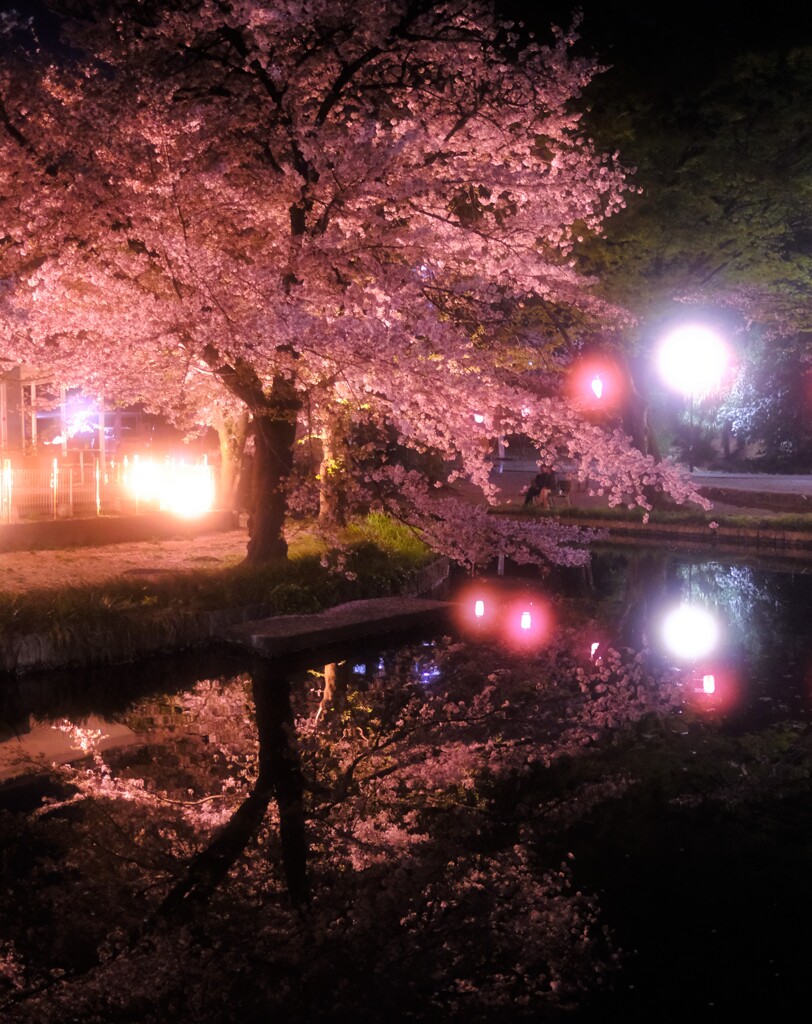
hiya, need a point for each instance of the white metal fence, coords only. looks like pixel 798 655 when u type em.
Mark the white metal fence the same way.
pixel 65 489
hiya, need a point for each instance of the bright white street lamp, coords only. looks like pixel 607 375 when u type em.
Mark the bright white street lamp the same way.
pixel 692 360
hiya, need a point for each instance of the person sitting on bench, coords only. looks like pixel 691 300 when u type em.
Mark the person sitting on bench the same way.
pixel 544 483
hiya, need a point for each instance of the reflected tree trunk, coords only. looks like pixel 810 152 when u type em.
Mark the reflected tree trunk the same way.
pixel 280 768
pixel 334 696
pixel 645 589
pixel 280 778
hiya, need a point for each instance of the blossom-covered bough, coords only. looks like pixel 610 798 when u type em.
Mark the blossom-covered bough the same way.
pixel 322 213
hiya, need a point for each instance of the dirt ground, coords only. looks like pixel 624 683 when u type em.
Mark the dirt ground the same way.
pixel 28 570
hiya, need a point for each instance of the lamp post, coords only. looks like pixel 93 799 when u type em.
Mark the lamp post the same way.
pixel 692 359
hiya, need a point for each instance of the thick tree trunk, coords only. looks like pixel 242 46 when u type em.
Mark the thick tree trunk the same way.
pixel 274 414
pixel 274 436
pixel 279 762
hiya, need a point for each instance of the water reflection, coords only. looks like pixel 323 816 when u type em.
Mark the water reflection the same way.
pixel 278 777
pixel 739 633
pixel 408 804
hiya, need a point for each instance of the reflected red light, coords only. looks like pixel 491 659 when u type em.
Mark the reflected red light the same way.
pixel 491 611
pixel 713 692
pixel 527 625
pixel 477 608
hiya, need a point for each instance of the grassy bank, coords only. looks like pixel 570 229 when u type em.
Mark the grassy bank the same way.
pixel 379 556
pixel 787 521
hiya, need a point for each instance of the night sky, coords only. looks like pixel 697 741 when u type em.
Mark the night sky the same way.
pixel 671 45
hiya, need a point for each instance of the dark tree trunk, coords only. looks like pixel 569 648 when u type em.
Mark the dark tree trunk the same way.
pixel 635 415
pixel 643 600
pixel 274 436
pixel 274 414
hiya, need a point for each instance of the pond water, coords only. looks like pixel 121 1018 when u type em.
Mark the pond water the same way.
pixel 480 827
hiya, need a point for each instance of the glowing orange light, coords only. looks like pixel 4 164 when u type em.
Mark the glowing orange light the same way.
pixel 708 683
pixel 186 490
pixel 597 386
pixel 479 609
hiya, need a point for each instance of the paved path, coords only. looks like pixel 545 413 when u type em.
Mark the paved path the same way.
pixel 770 483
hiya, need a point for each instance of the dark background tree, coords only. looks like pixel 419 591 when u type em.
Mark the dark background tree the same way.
pixel 711 107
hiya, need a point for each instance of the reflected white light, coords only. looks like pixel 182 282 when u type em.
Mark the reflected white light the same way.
pixel 525 620
pixel 479 609
pixel 478 417
pixel 708 683
pixel 597 386
pixel 592 650
pixel 690 632
pixel 692 359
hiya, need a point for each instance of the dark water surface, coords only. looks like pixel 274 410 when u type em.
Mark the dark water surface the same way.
pixel 707 901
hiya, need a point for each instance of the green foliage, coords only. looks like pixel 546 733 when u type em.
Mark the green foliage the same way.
pixel 724 171
pixel 389 535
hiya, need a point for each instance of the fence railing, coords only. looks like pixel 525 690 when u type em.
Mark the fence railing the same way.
pixel 64 490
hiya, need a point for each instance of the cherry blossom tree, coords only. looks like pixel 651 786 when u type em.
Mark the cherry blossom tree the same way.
pixel 323 210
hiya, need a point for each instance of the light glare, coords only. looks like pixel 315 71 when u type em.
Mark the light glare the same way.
pixel 187 490
pixel 692 359
pixel 690 632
